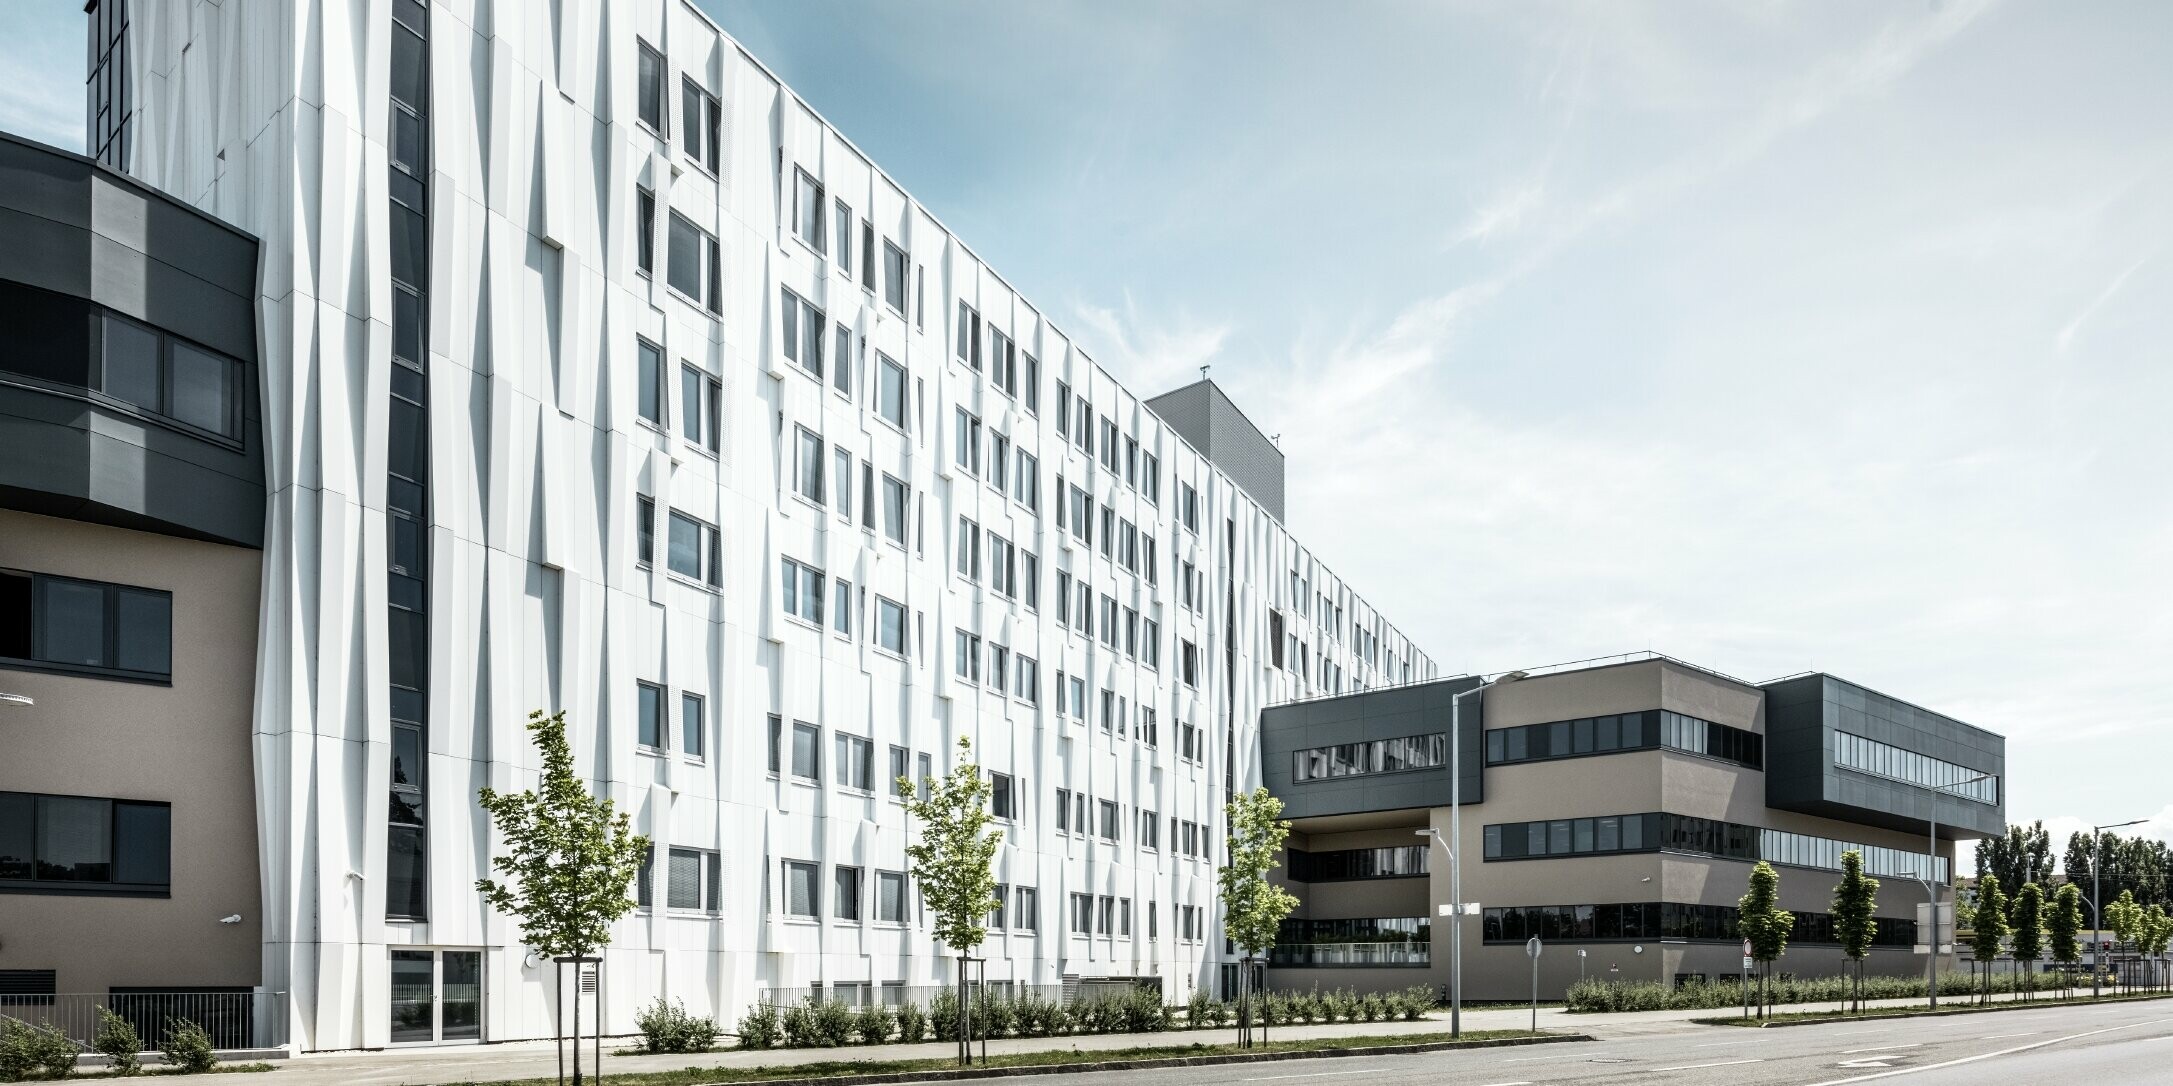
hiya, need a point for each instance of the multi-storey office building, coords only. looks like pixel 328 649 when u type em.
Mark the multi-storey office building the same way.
pixel 600 374
pixel 1615 812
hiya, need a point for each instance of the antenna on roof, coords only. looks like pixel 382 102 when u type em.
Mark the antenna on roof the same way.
pixel 1203 373
pixel 1278 440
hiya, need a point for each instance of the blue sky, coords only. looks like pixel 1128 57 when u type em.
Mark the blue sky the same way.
pixel 1771 336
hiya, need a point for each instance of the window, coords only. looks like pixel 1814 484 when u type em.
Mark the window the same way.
pixel 1863 755
pixel 1109 820
pixel 802 894
pixel 649 93
pixel 701 413
pixel 894 262
pixel 777 730
pixel 801 587
pixel 999 668
pixel 1003 362
pixel 1026 679
pixel 1003 566
pixel 890 897
pixel 1188 663
pixel 1150 649
pixel 1002 797
pixel 1105 920
pixel 1026 914
pixel 855 762
pixel 1109 444
pixel 700 118
pixel 968 340
pixel 1025 483
pixel 999 461
pixel 890 390
pixel 1077 690
pixel 894 506
pixel 841 608
pixel 169 377
pixel 841 460
pixel 1082 914
pixel 691 880
pixel 1188 505
pixel 84 845
pixel 692 266
pixel 693 729
pixel 86 627
pixel 969 549
pixel 645 231
pixel 651 381
pixel 806 751
pixel 841 361
pixel 800 331
pixel 1429 751
pixel 966 655
pixel 1393 862
pixel 1150 829
pixel 890 625
pixel 1030 578
pixel 1063 409
pixel 1124 917
pixel 807 471
pixel 649 716
pixel 694 548
pixel 967 447
pixel 807 210
pixel 644 531
pixel 845 238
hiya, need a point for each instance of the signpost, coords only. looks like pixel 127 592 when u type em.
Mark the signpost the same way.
pixel 1744 985
pixel 1531 948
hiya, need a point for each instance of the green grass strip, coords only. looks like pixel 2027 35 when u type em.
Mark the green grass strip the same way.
pixel 1806 1017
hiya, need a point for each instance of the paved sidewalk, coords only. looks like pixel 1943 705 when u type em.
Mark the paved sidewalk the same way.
pixel 537 1059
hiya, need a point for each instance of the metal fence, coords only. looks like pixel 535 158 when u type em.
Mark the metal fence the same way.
pixel 897 995
pixel 236 1019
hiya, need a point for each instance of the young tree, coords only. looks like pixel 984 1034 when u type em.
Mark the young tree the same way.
pixel 1855 900
pixel 2023 854
pixel 1252 907
pixel 2026 921
pixel 2124 917
pixel 1761 920
pixel 1988 929
pixel 2153 932
pixel 569 857
pixel 951 862
pixel 2064 924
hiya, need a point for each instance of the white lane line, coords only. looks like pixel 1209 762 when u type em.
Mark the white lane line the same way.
pixel 1881 1048
pixel 1564 1056
pixel 1856 1032
pixel 1724 1044
pixel 1320 1074
pixel 1508 1084
pixel 1695 1066
pixel 2004 1036
pixel 1987 1055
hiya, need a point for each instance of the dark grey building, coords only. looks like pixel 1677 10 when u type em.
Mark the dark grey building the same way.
pixel 1213 424
pixel 1614 812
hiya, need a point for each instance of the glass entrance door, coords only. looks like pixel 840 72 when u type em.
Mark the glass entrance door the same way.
pixel 436 996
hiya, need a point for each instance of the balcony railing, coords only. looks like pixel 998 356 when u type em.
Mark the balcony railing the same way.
pixel 235 1020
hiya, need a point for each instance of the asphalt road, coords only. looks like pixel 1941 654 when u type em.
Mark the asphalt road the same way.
pixel 2100 1046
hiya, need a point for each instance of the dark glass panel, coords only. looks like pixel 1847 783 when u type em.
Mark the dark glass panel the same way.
pixel 131 365
pixel 75 839
pixel 18 822
pixel 143 639
pixel 72 618
pixel 405 869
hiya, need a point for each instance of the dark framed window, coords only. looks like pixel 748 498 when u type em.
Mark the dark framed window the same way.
pixel 85 627
pixel 169 377
pixel 84 845
pixel 649 88
pixel 701 117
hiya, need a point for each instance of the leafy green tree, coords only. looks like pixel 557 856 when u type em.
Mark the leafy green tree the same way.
pixel 2064 924
pixel 2026 924
pixel 1252 907
pixel 1761 920
pixel 2023 854
pixel 2153 932
pixel 1989 929
pixel 952 863
pixel 568 858
pixel 1855 901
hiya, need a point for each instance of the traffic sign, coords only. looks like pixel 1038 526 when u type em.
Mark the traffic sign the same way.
pixel 1746 948
pixel 1531 947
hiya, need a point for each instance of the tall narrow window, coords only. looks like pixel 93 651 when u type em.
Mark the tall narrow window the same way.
pixel 808 210
pixel 845 238
pixel 890 390
pixel 645 231
pixel 701 116
pixel 650 377
pixel 800 332
pixel 894 263
pixel 693 725
pixel 700 409
pixel 649 92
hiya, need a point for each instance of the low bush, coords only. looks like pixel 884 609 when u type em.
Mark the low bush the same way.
pixel 912 1023
pixel 117 1041
pixel 1417 1000
pixel 833 1023
pixel 943 1015
pixel 799 1026
pixel 188 1047
pixel 874 1023
pixel 667 1027
pixel 759 1027
pixel 1608 996
pixel 41 1050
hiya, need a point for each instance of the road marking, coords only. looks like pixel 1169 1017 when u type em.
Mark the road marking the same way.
pixel 1566 1056
pixel 1320 1074
pixel 1508 1084
pixel 2004 1036
pixel 1695 1066
pixel 1855 1032
pixel 1724 1044
pixel 1863 1063
pixel 1986 1055
pixel 1881 1048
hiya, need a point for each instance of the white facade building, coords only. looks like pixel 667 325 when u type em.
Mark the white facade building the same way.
pixel 602 375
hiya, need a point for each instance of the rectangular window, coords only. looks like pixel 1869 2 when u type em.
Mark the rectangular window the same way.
pixel 806 751
pixel 890 897
pixel 801 587
pixel 967 446
pixel 84 845
pixel 1109 820
pixel 894 263
pixel 701 410
pixel 841 608
pixel 808 468
pixel 695 550
pixel 644 531
pixel 649 716
pixel 649 91
pixel 799 331
pixel 168 377
pixel 651 380
pixel 86 627
pixel 802 895
pixel 808 210
pixel 966 655
pixel 855 762
pixel 1026 679
pixel 1082 914
pixel 1026 914
pixel 890 390
pixel 969 549
pixel 690 881
pixel 894 507
pixel 700 118
pixel 890 625
pixel 1026 483
pixel 693 725
pixel 845 238
pixel 841 361
pixel 968 346
pixel 1003 796
pixel 645 231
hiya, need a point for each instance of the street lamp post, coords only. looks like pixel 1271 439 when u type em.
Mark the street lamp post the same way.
pixel 1931 887
pixel 1456 832
pixel 2097 895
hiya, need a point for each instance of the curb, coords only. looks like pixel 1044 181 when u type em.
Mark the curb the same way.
pixel 1150 1064
pixel 1992 1009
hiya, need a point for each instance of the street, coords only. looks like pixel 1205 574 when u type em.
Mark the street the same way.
pixel 2102 1046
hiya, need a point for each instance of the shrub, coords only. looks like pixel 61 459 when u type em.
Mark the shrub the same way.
pixel 1274 1008
pixel 667 1027
pixel 799 1025
pixel 1196 1010
pixel 1417 1000
pixel 759 1027
pixel 833 1023
pixel 912 1023
pixel 1142 1011
pixel 1371 1008
pixel 943 1015
pixel 188 1047
pixel 26 1049
pixel 117 1041
pixel 993 1015
pixel 874 1023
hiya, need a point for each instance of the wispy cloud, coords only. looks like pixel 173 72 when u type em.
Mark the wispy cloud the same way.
pixel 2068 331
